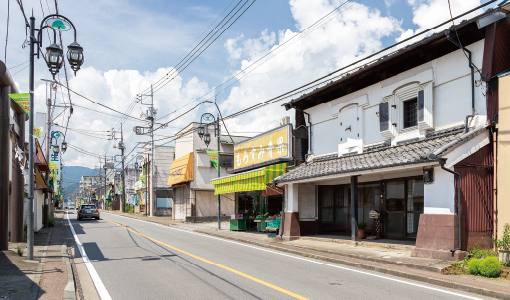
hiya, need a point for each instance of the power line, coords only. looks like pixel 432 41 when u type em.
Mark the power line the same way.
pixel 317 24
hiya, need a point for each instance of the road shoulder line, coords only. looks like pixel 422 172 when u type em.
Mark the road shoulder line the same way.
pixel 369 267
pixel 98 283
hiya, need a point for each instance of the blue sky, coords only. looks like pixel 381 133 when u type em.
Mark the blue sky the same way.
pixel 129 44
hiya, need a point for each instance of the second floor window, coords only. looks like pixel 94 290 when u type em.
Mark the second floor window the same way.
pixel 410 113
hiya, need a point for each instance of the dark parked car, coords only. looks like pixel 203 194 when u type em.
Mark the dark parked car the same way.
pixel 88 211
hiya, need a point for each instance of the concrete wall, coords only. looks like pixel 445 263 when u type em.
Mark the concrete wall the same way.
pixel 451 101
pixel 503 152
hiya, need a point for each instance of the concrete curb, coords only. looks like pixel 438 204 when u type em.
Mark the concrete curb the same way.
pixel 415 277
pixel 69 290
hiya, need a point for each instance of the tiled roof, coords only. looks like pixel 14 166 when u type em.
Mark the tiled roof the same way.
pixel 411 152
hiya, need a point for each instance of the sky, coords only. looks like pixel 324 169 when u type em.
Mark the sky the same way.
pixel 131 44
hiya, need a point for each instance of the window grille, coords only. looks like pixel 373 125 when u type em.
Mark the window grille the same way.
pixel 410 113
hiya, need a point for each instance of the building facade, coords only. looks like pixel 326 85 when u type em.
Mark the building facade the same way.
pixel 402 143
pixel 191 174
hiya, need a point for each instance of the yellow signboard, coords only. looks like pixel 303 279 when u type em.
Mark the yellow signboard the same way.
pixel 264 148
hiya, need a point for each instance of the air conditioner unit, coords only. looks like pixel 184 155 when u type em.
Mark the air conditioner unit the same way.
pixel 284 121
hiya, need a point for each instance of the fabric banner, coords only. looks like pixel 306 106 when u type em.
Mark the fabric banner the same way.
pixel 38 132
pixel 23 100
pixel 143 178
pixel 213 156
pixel 53 169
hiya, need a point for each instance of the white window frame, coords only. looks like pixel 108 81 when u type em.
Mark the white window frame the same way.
pixel 406 90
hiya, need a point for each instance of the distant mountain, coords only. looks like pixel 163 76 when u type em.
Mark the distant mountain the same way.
pixel 72 176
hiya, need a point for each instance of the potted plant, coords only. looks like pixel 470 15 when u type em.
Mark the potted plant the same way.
pixel 503 245
pixel 362 225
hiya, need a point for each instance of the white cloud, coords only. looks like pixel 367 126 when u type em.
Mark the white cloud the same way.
pixel 117 89
pixel 346 38
pixel 430 13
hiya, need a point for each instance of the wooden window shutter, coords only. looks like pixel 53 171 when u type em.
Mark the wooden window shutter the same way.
pixel 384 116
pixel 421 106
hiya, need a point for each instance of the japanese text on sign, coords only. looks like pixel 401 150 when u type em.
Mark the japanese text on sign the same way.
pixel 263 148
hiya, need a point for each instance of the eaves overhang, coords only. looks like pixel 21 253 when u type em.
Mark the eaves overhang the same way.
pixel 387 66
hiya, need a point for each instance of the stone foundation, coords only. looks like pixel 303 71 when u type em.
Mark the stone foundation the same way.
pixel 437 236
pixel 291 228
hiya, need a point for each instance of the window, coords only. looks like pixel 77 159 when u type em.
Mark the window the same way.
pixel 411 113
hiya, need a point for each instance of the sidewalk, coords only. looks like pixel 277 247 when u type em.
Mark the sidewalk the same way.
pixel 48 276
pixel 393 259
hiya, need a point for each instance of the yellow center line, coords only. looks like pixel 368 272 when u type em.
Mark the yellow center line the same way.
pixel 215 264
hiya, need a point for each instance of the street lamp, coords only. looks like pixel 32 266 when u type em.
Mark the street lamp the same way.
pixel 201 130
pixel 56 148
pixel 204 134
pixel 207 139
pixel 75 56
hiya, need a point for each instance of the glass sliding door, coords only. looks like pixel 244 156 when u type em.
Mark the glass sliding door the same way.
pixel 395 209
pixel 333 209
pixel 368 199
pixel 414 205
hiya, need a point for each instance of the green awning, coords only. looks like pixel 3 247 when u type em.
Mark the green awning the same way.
pixel 255 180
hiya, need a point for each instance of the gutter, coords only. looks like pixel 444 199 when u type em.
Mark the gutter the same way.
pixel 459 214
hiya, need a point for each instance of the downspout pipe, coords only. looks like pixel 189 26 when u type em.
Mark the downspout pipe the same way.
pixel 473 111
pixel 459 210
pixel 309 130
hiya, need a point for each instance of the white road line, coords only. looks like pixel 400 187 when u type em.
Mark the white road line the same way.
pixel 101 290
pixel 221 239
pixel 307 260
pixel 406 282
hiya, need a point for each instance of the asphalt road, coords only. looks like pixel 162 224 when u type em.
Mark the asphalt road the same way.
pixel 142 260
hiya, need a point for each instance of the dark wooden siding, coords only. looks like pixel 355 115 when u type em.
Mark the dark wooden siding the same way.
pixel 476 185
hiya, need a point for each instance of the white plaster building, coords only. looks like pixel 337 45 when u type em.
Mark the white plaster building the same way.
pixel 378 136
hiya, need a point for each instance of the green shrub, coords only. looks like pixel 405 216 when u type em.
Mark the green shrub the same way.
pixel 474 266
pixel 504 242
pixel 482 253
pixel 490 267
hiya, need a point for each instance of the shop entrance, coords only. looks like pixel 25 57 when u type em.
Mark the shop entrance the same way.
pixel 335 207
pixel 400 203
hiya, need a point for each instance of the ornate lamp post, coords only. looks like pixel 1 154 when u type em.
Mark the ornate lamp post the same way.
pixel 54 60
pixel 204 134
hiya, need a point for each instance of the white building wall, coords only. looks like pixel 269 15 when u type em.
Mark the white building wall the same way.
pixel 440 194
pixel 451 101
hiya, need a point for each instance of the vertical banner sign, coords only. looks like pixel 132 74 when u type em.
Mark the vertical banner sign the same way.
pixel 38 132
pixel 23 100
pixel 213 155
pixel 53 169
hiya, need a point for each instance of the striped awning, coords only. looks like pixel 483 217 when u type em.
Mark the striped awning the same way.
pixel 255 180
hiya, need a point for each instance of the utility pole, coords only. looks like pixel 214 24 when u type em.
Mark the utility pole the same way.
pixel 152 163
pixel 30 219
pixel 139 130
pixel 219 174
pixel 122 174
pixel 104 202
pixel 48 155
